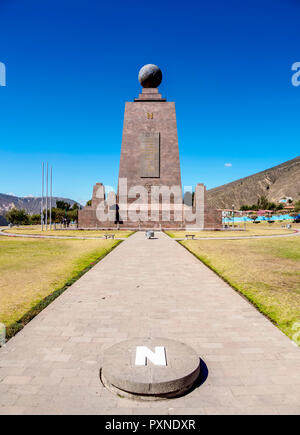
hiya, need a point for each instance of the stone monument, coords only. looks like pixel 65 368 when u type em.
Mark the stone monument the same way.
pixel 149 186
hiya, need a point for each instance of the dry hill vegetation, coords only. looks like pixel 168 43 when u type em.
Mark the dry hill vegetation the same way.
pixel 274 183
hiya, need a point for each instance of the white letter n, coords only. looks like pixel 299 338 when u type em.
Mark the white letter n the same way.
pixel 143 354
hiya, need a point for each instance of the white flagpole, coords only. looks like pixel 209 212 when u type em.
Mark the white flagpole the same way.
pixel 51 198
pixel 42 199
pixel 47 196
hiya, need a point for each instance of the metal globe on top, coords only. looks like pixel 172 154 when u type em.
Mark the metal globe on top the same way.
pixel 150 76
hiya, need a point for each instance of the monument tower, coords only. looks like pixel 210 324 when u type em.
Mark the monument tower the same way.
pixel 149 152
pixel 149 185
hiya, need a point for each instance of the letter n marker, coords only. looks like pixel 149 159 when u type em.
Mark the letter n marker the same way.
pixel 143 354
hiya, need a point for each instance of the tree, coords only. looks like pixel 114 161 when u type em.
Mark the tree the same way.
pixel 63 205
pixel 17 217
pixel 263 203
pixel 35 219
pixel 297 206
pixel 57 215
pixel 89 202
pixel 245 207
pixel 72 215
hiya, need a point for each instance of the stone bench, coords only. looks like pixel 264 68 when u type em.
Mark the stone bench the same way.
pixel 109 236
pixel 190 236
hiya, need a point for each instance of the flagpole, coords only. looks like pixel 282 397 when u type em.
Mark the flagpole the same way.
pixel 47 196
pixel 42 199
pixel 51 198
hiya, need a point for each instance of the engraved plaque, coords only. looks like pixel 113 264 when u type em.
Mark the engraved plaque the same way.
pixel 149 155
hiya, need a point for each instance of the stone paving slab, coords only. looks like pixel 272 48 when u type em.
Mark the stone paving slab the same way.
pixel 150 288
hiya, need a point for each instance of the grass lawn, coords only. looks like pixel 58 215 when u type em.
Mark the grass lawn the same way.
pixel 34 269
pixel 36 230
pixel 262 229
pixel 266 271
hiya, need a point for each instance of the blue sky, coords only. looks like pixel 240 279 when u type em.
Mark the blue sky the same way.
pixel 71 65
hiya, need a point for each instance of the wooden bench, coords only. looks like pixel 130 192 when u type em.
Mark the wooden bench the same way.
pixel 109 236
pixel 190 236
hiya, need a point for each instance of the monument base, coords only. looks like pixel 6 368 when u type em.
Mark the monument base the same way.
pixel 159 216
pixel 150 368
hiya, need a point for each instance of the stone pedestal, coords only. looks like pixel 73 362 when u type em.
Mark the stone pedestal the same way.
pixel 150 368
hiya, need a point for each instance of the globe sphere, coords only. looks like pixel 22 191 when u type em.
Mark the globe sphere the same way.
pixel 150 76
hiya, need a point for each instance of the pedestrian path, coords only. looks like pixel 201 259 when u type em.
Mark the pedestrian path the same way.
pixel 150 288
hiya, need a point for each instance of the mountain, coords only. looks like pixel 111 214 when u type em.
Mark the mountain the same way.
pixel 274 183
pixel 31 204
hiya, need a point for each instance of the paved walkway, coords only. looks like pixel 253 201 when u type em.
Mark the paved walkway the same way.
pixel 149 288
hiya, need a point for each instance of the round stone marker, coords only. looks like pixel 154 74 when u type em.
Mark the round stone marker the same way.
pixel 150 368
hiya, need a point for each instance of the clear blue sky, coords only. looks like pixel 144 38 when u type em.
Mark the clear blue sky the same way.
pixel 71 65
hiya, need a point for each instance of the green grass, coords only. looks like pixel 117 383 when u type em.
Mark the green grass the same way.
pixel 36 230
pixel 33 272
pixel 262 229
pixel 265 271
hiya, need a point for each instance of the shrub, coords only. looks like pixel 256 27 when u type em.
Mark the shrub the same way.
pixel 17 217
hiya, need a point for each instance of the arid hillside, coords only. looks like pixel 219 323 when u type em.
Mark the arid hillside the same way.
pixel 30 204
pixel 274 183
